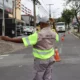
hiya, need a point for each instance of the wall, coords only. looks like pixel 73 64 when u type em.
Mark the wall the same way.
pixel 18 10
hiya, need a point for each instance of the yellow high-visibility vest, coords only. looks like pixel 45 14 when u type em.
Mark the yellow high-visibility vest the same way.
pixel 42 54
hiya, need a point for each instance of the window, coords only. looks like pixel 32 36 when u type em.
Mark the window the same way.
pixel 6 0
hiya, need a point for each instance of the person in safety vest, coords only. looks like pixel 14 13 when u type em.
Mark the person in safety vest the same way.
pixel 43 49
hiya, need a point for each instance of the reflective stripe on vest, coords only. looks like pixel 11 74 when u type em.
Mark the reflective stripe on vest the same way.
pixel 26 41
pixel 30 40
pixel 42 52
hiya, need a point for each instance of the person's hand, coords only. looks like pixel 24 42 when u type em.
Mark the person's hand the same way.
pixel 6 38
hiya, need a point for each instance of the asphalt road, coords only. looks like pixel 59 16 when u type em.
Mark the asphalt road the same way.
pixel 19 65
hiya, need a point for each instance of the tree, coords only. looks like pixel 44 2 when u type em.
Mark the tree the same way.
pixel 60 19
pixel 67 16
pixel 75 5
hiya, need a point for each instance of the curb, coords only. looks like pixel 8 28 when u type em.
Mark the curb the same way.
pixel 9 52
pixel 76 35
pixel 13 48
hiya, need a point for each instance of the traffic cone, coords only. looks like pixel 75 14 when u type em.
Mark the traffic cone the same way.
pixel 56 56
pixel 68 32
pixel 62 38
pixel 64 35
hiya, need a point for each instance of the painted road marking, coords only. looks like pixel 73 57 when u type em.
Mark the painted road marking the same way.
pixel 4 55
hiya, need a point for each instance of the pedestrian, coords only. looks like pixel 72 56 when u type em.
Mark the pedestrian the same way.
pixel 43 49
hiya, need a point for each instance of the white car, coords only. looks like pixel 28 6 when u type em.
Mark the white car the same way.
pixel 28 29
pixel 60 26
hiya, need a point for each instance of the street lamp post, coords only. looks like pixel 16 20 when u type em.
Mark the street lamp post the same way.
pixel 34 8
pixel 15 21
pixel 49 11
pixel 3 22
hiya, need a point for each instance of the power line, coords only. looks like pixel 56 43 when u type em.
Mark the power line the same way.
pixel 44 4
pixel 41 6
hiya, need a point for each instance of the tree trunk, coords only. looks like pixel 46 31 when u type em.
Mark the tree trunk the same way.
pixel 77 22
pixel 78 28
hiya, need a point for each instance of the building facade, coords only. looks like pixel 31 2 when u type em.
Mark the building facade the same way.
pixel 7 7
pixel 11 8
pixel 16 9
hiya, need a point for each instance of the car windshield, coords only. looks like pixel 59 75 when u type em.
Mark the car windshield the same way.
pixel 60 23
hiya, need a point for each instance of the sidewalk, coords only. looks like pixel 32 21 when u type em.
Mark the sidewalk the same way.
pixel 76 33
pixel 7 47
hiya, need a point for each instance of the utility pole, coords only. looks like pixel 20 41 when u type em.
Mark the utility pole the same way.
pixel 50 10
pixel 34 8
pixel 15 21
pixel 13 7
pixel 3 21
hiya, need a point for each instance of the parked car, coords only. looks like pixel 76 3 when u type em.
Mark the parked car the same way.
pixel 28 30
pixel 75 27
pixel 60 26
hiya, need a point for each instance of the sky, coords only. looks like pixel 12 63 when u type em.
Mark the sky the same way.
pixel 43 10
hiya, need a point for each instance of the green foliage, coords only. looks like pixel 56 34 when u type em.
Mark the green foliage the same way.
pixel 60 20
pixel 75 5
pixel 67 16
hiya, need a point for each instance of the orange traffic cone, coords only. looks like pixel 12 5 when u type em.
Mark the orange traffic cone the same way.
pixel 56 56
pixel 62 38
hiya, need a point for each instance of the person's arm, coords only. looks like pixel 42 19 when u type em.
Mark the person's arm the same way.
pixel 30 40
pixel 56 30
pixel 54 27
pixel 57 37
pixel 17 40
